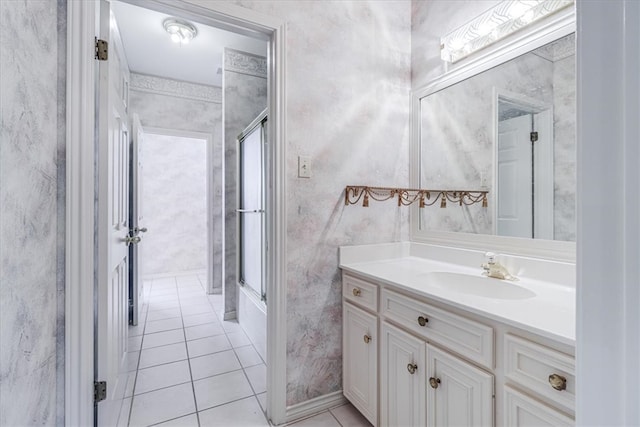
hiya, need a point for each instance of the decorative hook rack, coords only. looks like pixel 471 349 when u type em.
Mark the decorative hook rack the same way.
pixel 407 196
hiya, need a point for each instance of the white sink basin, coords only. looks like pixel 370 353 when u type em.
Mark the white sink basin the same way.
pixel 478 285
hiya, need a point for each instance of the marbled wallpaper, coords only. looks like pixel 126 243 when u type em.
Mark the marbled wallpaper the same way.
pixel 245 97
pixel 169 104
pixel 174 200
pixel 348 86
pixel 32 129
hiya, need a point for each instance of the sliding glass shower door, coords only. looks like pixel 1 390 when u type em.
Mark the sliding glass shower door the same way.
pixel 251 207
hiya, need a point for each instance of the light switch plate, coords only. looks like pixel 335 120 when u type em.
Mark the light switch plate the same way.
pixel 304 167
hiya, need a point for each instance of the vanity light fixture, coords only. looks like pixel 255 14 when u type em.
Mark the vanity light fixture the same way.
pixel 180 31
pixel 495 24
pixel 407 196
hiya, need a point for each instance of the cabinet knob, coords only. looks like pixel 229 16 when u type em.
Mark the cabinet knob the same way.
pixel 412 368
pixel 433 382
pixel 558 382
pixel 367 339
pixel 422 321
pixel 356 292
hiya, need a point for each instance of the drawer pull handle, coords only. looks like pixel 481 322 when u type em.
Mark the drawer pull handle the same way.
pixel 422 321
pixel 356 292
pixel 367 339
pixel 412 368
pixel 558 382
pixel 433 382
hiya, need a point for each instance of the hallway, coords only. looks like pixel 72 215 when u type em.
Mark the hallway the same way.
pixel 188 367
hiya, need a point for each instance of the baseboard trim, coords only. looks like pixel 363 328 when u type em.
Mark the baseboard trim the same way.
pixel 314 406
pixel 230 315
pixel 177 274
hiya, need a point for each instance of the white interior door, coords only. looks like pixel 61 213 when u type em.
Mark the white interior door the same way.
pixel 136 217
pixel 514 177
pixel 113 222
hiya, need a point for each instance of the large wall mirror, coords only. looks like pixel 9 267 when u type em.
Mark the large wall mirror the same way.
pixel 509 129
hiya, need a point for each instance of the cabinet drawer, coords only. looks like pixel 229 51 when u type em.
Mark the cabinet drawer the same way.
pixel 531 365
pixel 522 410
pixel 470 339
pixel 360 292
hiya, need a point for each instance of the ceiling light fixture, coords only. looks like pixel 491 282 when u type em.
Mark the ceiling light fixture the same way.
pixel 495 24
pixel 180 31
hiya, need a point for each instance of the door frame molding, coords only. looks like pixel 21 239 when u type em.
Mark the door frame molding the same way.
pixel 82 27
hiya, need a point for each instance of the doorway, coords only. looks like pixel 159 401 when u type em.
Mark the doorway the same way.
pixel 523 167
pixel 81 267
pixel 173 212
pixel 116 169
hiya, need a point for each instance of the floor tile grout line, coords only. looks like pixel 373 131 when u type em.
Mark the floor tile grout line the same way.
pixel 334 417
pixel 139 359
pixel 162 388
pixel 193 387
pixel 173 419
pixel 161 364
pixel 217 375
pixel 135 381
pixel 230 402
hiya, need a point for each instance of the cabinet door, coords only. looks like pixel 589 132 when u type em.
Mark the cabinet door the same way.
pixel 403 371
pixel 360 361
pixel 521 410
pixel 458 394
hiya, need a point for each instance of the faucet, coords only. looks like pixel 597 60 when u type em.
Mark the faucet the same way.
pixel 493 268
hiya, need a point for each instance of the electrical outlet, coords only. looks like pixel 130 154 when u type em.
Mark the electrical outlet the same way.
pixel 304 167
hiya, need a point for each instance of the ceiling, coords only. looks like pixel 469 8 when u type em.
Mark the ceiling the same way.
pixel 149 49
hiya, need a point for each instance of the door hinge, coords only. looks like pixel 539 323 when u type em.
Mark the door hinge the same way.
pixel 99 391
pixel 534 136
pixel 102 50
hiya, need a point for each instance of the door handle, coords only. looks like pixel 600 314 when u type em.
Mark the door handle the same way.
pixel 132 240
pixel 140 230
pixel 250 210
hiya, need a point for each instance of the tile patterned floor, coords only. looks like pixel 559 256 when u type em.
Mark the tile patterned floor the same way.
pixel 188 367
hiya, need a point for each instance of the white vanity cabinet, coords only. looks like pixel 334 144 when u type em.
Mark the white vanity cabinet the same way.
pixel 360 360
pixel 439 366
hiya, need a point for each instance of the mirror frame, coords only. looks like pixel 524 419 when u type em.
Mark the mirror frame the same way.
pixel 555 27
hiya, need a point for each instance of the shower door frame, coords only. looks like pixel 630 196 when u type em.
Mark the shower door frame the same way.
pixel 258 122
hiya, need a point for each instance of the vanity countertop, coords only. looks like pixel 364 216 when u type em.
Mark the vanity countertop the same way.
pixel 550 312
